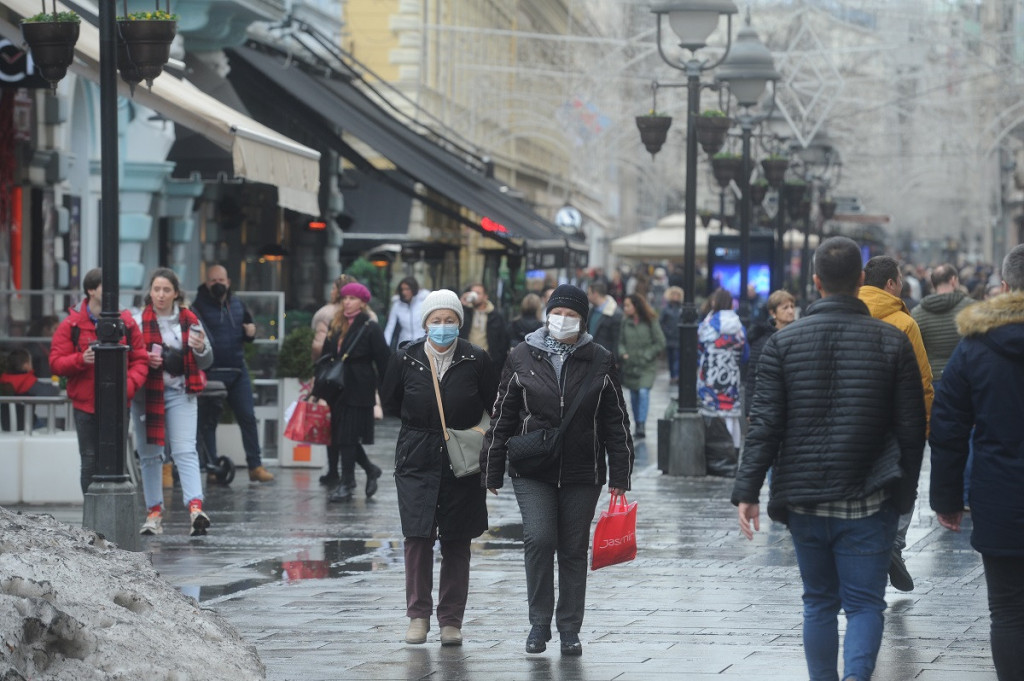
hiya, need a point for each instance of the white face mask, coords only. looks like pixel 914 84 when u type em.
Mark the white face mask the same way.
pixel 561 327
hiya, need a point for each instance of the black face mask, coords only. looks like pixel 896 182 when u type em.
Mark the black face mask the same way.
pixel 219 290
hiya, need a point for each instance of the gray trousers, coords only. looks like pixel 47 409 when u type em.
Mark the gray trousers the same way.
pixel 556 519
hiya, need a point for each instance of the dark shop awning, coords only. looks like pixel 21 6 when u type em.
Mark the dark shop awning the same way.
pixel 343 105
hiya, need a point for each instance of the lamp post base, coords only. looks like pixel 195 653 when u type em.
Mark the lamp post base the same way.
pixel 681 445
pixel 109 509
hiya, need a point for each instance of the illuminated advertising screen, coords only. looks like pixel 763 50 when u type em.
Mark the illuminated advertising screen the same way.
pixel 724 263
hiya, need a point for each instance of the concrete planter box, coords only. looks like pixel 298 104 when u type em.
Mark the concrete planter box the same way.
pixel 229 443
pixel 51 469
pixel 10 464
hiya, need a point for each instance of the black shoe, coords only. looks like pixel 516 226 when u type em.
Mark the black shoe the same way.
pixel 331 478
pixel 371 480
pixel 899 576
pixel 640 432
pixel 536 642
pixel 340 493
pixel 571 643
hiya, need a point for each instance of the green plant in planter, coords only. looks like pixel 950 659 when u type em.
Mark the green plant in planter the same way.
pixel 157 15
pixel 713 113
pixel 726 155
pixel 295 360
pixel 59 17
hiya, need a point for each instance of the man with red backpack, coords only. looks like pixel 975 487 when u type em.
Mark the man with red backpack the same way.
pixel 72 356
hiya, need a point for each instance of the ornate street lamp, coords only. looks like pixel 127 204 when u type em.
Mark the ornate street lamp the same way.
pixel 822 168
pixel 109 506
pixel 747 70
pixel 779 131
pixel 692 21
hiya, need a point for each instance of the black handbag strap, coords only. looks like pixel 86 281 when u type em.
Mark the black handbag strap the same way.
pixel 576 402
pixel 353 343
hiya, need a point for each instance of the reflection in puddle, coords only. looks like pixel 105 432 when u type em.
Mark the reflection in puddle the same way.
pixel 341 558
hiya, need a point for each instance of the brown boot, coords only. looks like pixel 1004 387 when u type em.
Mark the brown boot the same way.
pixel 168 475
pixel 260 474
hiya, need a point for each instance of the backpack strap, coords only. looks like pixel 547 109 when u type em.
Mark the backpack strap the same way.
pixel 76 333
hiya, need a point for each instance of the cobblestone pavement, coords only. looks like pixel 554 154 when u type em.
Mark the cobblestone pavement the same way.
pixel 319 588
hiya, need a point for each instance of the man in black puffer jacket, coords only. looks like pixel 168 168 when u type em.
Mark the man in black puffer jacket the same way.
pixel 839 413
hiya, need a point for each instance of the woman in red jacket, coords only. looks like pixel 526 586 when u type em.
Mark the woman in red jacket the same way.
pixel 72 356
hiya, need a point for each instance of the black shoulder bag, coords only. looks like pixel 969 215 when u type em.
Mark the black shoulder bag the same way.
pixel 329 373
pixel 540 449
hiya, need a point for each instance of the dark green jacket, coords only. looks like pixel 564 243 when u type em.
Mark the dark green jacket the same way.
pixel 642 343
pixel 936 315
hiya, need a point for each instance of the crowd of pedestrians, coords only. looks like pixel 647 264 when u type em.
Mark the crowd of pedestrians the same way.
pixel 832 404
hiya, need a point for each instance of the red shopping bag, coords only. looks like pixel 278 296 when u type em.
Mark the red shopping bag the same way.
pixel 615 535
pixel 310 422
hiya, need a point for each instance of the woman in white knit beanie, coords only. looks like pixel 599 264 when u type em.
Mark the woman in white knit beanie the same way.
pixel 432 502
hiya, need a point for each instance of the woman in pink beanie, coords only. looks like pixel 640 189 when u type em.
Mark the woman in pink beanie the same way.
pixel 352 335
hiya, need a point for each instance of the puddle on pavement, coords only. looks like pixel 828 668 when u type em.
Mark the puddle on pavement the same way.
pixel 341 558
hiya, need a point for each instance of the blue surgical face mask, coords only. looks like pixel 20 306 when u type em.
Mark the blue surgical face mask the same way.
pixel 443 334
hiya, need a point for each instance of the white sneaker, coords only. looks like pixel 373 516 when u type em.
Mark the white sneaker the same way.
pixel 154 524
pixel 199 522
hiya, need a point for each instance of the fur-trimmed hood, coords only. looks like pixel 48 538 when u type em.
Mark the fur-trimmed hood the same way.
pixel 1006 308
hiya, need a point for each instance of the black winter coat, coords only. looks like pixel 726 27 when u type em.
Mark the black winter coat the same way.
pixel 756 339
pixel 223 323
pixel 366 363
pixel 839 412
pixel 497 333
pixel 428 491
pixel 532 397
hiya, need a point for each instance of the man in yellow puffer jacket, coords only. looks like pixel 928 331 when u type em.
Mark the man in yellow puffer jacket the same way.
pixel 883 284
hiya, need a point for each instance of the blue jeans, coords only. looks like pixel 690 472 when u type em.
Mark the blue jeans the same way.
pixel 240 398
pixel 641 400
pixel 843 563
pixel 180 437
pixel 88 428
pixel 672 353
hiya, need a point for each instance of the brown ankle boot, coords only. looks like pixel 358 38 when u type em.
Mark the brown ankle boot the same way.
pixel 260 474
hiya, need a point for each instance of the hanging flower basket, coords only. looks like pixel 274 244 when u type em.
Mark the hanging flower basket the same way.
pixel 705 218
pixel 726 168
pixel 147 37
pixel 711 130
pixel 827 208
pixel 51 38
pixel 129 72
pixel 653 131
pixel 793 194
pixel 775 171
pixel 758 190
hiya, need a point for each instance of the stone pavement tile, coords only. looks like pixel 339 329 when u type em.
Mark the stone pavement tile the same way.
pixel 954 674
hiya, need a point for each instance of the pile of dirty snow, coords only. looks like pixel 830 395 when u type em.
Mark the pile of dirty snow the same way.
pixel 75 608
